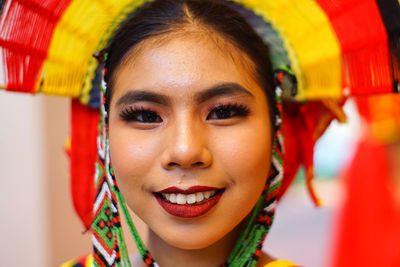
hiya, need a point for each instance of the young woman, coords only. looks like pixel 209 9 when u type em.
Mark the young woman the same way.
pixel 190 133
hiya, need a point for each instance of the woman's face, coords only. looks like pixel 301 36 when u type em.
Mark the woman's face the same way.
pixel 190 139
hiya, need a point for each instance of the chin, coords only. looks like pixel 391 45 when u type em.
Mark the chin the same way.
pixel 196 236
pixel 195 242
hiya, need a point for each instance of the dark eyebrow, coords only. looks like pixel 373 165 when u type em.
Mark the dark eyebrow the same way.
pixel 200 97
pixel 137 96
pixel 220 90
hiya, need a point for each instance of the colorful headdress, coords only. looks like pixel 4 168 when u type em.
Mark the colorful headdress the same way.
pixel 323 50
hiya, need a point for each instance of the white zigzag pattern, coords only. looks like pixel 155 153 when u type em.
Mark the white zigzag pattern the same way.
pixel 108 174
pixel 109 258
pixel 104 189
pixel 279 168
pixel 271 206
pixel 278 177
pixel 97 173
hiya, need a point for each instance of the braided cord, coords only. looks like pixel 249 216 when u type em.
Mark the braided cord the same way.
pixel 241 242
pixel 139 243
pixel 120 234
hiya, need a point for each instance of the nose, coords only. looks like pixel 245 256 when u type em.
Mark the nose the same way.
pixel 186 148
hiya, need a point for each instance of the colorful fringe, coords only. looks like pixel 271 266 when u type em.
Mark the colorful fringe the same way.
pixel 335 49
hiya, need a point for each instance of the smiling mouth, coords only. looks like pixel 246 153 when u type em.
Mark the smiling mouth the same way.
pixel 189 203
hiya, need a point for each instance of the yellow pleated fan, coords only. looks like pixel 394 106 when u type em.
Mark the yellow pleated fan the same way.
pixel 70 66
pixel 310 41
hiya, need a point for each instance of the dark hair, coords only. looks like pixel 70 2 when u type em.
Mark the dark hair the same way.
pixel 164 16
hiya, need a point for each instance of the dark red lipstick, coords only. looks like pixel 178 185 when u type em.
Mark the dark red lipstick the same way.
pixel 190 190
pixel 189 210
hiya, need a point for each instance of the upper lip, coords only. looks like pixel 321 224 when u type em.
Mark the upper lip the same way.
pixel 190 190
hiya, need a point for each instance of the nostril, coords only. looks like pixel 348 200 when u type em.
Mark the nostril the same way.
pixel 198 163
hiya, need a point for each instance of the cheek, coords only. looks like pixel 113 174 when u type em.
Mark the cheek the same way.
pixel 133 155
pixel 246 154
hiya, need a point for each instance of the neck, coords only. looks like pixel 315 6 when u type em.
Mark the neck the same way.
pixel 170 256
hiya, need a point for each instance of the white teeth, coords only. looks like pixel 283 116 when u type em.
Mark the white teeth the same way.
pixel 172 198
pixel 190 198
pixel 180 199
pixel 199 196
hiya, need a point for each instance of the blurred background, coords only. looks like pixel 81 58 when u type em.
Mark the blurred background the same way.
pixel 39 227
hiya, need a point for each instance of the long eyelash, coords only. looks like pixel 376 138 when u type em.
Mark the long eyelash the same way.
pixel 240 109
pixel 130 113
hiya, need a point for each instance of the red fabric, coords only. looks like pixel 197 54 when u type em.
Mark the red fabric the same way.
pixel 369 227
pixel 364 43
pixel 25 46
pixel 303 124
pixel 84 122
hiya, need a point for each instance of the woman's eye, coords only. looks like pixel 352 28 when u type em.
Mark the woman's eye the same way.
pixel 224 112
pixel 140 115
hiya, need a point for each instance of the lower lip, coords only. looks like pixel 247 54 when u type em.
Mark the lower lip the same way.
pixel 189 210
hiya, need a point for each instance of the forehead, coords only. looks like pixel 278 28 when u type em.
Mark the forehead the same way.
pixel 182 65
